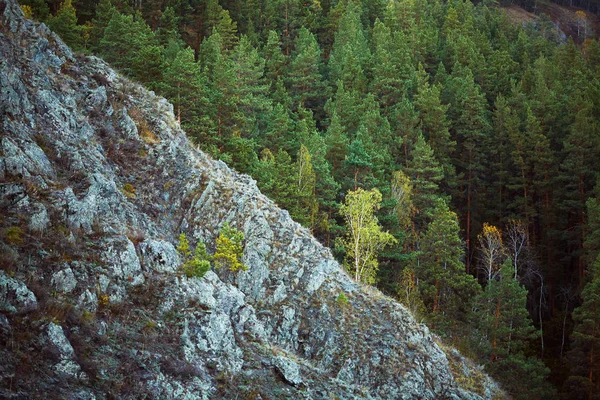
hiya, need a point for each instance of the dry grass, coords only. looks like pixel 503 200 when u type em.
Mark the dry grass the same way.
pixel 144 130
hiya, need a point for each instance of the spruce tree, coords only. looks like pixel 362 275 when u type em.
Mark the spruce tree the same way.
pixel 504 328
pixel 64 23
pixel 446 289
pixel 304 77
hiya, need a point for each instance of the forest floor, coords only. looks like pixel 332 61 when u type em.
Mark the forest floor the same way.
pixel 566 18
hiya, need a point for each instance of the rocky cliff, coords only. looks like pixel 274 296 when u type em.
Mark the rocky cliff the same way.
pixel 97 180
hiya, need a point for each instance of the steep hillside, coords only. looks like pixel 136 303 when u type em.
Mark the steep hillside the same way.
pixel 97 180
pixel 568 21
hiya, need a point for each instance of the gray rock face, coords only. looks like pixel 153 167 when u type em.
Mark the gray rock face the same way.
pixel 289 369
pixel 64 280
pixel 103 209
pixel 159 256
pixel 66 365
pixel 15 296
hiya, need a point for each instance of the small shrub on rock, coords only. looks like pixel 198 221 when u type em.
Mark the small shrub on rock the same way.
pixel 229 249
pixel 342 300
pixel 196 265
pixel 14 235
pixel 129 191
pixel 196 268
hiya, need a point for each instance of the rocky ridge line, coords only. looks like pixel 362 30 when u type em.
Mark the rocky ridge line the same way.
pixel 96 181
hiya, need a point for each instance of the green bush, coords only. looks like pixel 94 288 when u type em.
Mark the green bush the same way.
pixel 195 268
pixel 229 249
pixel 342 300
pixel 197 265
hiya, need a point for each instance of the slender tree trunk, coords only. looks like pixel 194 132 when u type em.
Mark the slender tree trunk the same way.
pixel 179 102
pixel 591 374
pixel 540 313
pixel 436 301
pixel 564 325
pixel 496 323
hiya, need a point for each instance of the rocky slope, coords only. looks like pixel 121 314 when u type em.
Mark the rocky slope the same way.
pixel 97 180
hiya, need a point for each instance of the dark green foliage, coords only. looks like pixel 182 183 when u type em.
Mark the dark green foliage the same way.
pixel 129 44
pixel 446 288
pixel 64 23
pixel 305 78
pixel 504 328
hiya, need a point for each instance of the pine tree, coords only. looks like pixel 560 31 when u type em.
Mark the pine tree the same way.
pixel 360 160
pixel 304 78
pixel 275 61
pixel 506 124
pixel 222 119
pixel 126 42
pixel 425 174
pixel 168 30
pixel 446 288
pixel 434 124
pixel 229 249
pixel 349 61
pixel 581 149
pixel 504 328
pixel 251 88
pixel 183 85
pixel 584 379
pixel 469 125
pixel 387 84
pixel 65 25
pixel 337 147
pixel 279 132
pixel 104 11
pixel 306 187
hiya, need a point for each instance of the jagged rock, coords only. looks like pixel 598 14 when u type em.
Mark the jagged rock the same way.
pixel 15 296
pixel 109 206
pixel 57 338
pixel 289 369
pixel 128 125
pixel 64 281
pixel 39 219
pixel 159 256
pixel 164 387
pixel 98 101
pixel 122 260
pixel 66 365
pixel 88 301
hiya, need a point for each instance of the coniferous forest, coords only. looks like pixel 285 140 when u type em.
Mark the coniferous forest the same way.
pixel 464 146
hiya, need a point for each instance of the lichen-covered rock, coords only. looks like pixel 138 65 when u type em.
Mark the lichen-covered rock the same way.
pixel 57 338
pixel 15 296
pixel 66 365
pixel 104 205
pixel 122 260
pixel 159 256
pixel 64 281
pixel 289 369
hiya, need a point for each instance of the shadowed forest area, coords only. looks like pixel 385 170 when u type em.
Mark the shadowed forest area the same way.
pixel 480 134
